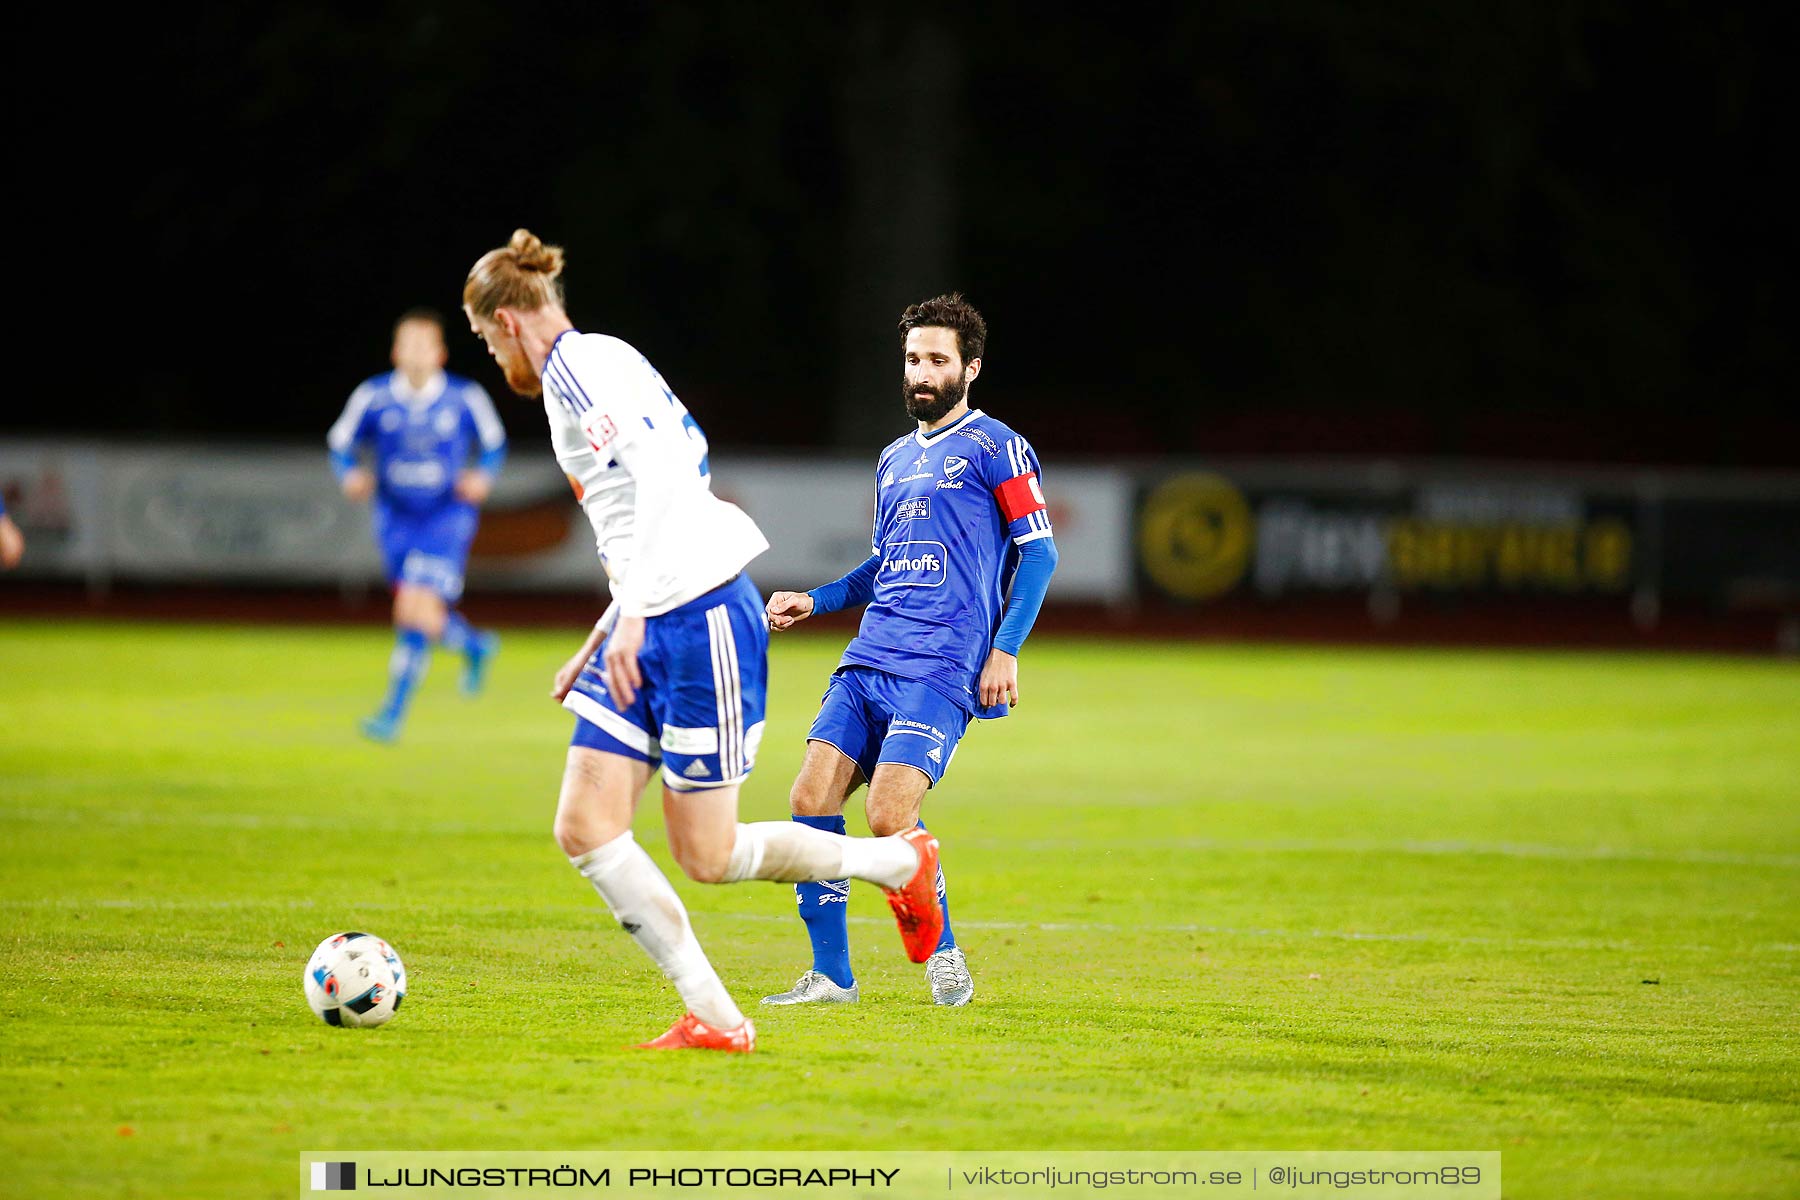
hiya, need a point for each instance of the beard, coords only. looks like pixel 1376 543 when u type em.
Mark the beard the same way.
pixel 521 379
pixel 932 406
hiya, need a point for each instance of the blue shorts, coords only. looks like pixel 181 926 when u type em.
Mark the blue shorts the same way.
pixel 426 549
pixel 700 712
pixel 872 717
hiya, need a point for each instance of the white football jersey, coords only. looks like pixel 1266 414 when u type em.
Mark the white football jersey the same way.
pixel 639 466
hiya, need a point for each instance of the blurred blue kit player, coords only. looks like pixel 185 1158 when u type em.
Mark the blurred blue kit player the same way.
pixel 420 425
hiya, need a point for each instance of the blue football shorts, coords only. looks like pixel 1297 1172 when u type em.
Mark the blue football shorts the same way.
pixel 427 549
pixel 872 717
pixel 700 712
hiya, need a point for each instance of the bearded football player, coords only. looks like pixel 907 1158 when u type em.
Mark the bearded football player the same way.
pixel 960 559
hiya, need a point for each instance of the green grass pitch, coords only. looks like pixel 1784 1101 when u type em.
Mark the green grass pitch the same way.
pixel 1214 898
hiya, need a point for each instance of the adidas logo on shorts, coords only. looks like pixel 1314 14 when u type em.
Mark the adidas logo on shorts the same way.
pixel 935 755
pixel 696 770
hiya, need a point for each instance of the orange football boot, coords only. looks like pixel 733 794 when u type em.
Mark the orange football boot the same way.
pixel 691 1033
pixel 915 905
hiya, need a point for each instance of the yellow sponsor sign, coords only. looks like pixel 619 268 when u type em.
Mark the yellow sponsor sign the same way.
pixel 1194 536
pixel 1198 538
pixel 1592 557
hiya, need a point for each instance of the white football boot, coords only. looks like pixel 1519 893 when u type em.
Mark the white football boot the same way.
pixel 814 988
pixel 948 973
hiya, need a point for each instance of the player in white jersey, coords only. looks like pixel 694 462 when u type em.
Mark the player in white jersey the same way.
pixel 674 672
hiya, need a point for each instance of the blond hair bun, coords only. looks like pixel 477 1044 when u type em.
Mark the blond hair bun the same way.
pixel 531 254
pixel 522 275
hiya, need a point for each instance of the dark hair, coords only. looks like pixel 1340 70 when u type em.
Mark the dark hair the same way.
pixel 950 312
pixel 429 315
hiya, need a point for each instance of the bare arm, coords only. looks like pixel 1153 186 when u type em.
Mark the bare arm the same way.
pixel 569 671
pixel 12 543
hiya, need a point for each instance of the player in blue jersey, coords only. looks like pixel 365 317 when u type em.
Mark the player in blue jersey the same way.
pixel 12 542
pixel 673 675
pixel 962 556
pixel 421 425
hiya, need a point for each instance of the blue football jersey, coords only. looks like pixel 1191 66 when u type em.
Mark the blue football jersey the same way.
pixel 420 439
pixel 950 510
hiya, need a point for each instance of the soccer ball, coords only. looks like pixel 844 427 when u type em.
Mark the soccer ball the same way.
pixel 354 979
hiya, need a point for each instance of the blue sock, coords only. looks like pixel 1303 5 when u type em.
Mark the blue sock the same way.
pixel 457 633
pixel 825 907
pixel 412 654
pixel 948 940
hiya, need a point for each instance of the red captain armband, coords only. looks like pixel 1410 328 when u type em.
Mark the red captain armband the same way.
pixel 1020 496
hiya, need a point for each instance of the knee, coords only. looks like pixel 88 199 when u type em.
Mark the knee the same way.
pixel 416 608
pixel 885 822
pixel 576 835
pixel 704 866
pixel 429 616
pixel 583 822
pixel 808 800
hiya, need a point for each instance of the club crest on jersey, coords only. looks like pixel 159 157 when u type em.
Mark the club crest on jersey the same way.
pixel 954 467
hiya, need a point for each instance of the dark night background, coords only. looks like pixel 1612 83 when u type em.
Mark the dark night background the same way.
pixel 1521 231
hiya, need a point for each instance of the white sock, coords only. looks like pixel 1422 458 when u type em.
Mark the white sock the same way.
pixel 646 906
pixel 793 853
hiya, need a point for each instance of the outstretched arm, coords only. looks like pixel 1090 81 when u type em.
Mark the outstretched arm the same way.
pixel 858 587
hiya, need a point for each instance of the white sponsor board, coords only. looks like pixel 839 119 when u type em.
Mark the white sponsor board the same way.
pixel 197 513
pixel 234 515
pixel 54 494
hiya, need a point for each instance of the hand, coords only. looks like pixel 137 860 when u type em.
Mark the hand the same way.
pixel 474 486
pixel 12 543
pixel 785 608
pixel 619 656
pixel 567 674
pixel 358 484
pixel 1000 679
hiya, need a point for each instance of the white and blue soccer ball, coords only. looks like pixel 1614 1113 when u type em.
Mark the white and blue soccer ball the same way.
pixel 354 979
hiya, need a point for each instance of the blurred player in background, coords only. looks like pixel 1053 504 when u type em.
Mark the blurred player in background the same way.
pixel 421 424
pixel 674 672
pixel 962 557
pixel 12 542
